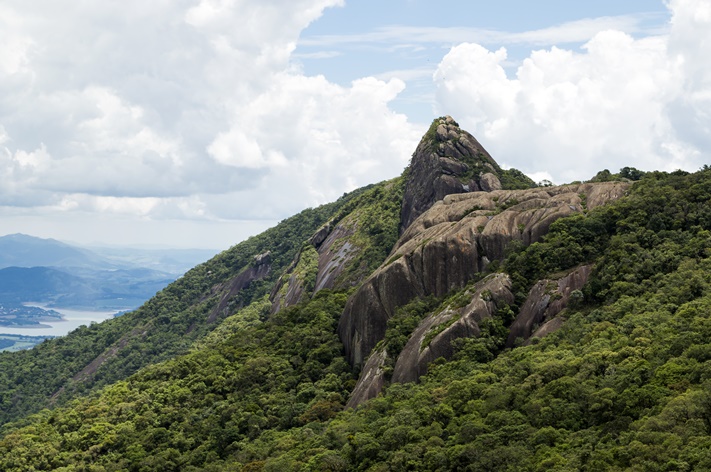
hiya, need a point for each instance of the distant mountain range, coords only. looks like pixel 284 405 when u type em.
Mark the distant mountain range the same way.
pixel 21 250
pixel 61 275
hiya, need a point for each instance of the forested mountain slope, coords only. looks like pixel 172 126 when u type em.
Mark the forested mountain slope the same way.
pixel 167 325
pixel 584 347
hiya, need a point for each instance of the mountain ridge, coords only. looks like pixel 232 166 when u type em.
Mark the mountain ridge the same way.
pixel 578 343
pixel 21 250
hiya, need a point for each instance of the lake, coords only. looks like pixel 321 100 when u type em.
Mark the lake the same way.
pixel 72 320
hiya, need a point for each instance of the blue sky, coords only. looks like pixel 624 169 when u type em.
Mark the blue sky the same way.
pixel 407 38
pixel 196 123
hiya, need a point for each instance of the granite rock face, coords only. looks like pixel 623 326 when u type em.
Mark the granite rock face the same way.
pixel 371 380
pixel 487 297
pixel 450 243
pixel 448 160
pixel 317 266
pixel 257 270
pixel 433 338
pixel 537 316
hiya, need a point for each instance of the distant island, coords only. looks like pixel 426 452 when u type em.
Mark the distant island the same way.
pixel 23 316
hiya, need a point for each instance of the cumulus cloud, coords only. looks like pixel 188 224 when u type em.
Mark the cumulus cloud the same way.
pixel 690 44
pixel 193 110
pixel 619 101
pixel 182 110
pixel 318 139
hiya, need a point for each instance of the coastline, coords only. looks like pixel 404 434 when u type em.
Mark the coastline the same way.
pixel 66 320
pixel 28 326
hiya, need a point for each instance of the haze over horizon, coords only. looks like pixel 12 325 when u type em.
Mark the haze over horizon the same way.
pixel 163 124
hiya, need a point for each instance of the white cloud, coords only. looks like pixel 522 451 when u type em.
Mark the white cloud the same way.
pixel 690 44
pixel 182 110
pixel 192 110
pixel 324 138
pixel 572 113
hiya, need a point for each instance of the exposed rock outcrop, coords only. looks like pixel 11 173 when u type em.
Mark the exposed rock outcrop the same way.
pixel 537 316
pixel 448 160
pixel 335 252
pixel 291 287
pixel 371 380
pixel 257 270
pixel 452 241
pixel 317 266
pixel 433 337
pixel 488 296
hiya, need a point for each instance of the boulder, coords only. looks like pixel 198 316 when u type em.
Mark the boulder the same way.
pixel 489 182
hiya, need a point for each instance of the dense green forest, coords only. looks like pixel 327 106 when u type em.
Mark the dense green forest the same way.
pixel 625 384
pixel 59 370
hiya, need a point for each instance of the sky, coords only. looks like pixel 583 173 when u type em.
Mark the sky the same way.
pixel 197 123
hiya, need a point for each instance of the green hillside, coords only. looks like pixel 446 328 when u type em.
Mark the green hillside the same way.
pixel 167 325
pixel 625 384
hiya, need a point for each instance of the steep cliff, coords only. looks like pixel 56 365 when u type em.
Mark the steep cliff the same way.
pixel 451 242
pixel 346 249
pixel 448 160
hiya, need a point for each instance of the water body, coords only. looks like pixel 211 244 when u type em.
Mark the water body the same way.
pixel 72 320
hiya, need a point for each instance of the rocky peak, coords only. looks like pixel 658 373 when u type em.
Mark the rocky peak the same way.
pixel 448 160
pixel 453 241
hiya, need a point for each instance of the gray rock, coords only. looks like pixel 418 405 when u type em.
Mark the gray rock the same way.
pixel 544 302
pixel 448 244
pixel 489 182
pixel 256 271
pixel 371 380
pixel 442 132
pixel 488 295
pixel 335 252
pixel 320 236
pixel 443 164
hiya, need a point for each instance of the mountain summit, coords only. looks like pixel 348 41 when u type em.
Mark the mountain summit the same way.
pixel 449 160
pixel 473 320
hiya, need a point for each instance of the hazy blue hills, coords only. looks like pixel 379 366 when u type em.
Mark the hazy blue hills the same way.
pixel 173 261
pixel 61 275
pixel 21 250
pixel 28 251
pixel 25 284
